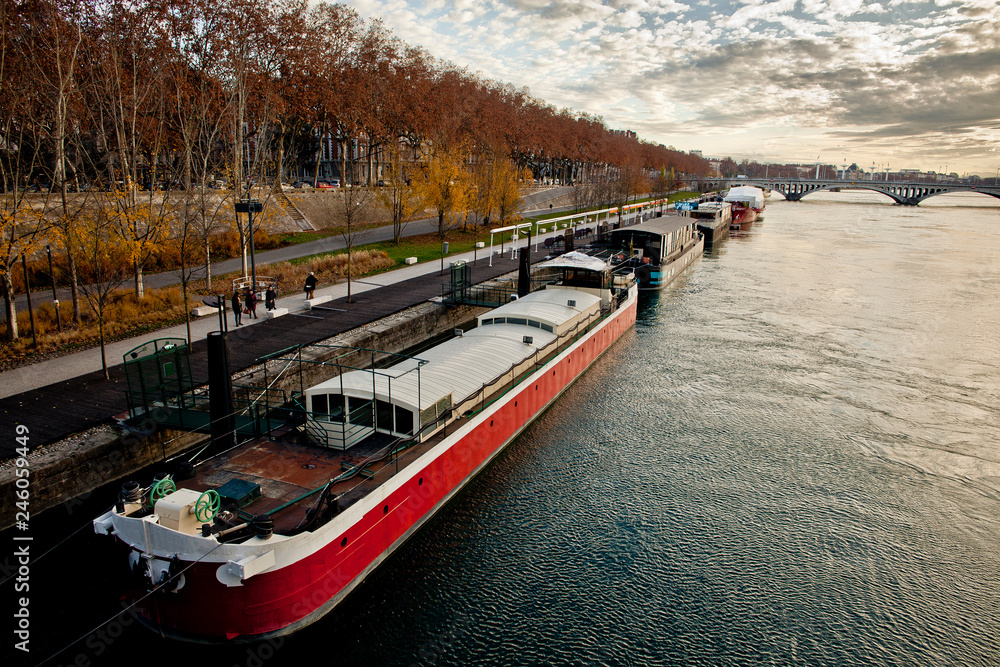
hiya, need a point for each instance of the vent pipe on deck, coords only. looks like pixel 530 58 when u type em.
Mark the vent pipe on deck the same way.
pixel 220 392
pixel 523 272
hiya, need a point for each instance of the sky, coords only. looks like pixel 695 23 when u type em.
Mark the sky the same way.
pixel 898 84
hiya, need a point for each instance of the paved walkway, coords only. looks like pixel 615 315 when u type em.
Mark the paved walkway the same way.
pixel 533 202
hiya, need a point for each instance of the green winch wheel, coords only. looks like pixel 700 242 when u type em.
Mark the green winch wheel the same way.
pixel 160 488
pixel 207 506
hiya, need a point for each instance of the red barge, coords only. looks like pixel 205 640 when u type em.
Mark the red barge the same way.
pixel 267 537
pixel 748 205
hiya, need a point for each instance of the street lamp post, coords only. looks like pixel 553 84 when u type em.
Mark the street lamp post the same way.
pixel 250 206
pixel 27 293
pixel 55 297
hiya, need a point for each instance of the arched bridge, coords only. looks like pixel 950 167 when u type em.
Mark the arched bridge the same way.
pixel 908 194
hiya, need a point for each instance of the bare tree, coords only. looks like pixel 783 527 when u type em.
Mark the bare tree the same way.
pixel 126 102
pixel 23 111
pixel 397 195
pixel 357 204
pixel 104 263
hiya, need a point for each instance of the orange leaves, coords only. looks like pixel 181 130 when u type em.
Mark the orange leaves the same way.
pixel 21 231
pixel 444 184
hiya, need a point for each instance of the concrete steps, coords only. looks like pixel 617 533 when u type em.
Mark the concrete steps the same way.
pixel 293 212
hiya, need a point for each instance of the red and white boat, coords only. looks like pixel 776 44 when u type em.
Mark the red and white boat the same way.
pixel 268 537
pixel 748 204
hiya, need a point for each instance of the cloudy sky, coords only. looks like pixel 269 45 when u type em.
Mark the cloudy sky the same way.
pixel 899 83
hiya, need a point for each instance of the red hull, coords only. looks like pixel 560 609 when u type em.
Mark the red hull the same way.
pixel 283 600
pixel 743 215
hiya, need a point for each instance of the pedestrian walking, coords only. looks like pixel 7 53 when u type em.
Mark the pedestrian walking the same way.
pixel 251 300
pixel 269 297
pixel 237 308
pixel 310 285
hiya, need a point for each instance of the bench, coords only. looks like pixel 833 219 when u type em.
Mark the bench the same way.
pixel 312 303
pixel 277 312
pixel 202 311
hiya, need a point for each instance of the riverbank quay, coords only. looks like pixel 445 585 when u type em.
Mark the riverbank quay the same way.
pixel 65 463
pixel 80 402
pixel 80 406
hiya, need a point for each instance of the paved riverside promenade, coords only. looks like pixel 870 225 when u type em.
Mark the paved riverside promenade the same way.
pixel 65 395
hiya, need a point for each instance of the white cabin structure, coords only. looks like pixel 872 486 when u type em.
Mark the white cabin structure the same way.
pixel 409 398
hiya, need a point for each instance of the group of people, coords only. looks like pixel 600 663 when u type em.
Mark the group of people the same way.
pixel 246 303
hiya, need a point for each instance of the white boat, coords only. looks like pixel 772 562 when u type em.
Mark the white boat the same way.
pixel 750 195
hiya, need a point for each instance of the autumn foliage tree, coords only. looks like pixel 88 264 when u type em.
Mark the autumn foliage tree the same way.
pixel 443 183
pixel 152 103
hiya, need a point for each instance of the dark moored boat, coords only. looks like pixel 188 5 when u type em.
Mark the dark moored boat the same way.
pixel 659 249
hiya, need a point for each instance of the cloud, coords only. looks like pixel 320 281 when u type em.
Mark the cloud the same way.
pixel 852 72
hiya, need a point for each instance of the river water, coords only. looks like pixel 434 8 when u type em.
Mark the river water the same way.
pixel 793 459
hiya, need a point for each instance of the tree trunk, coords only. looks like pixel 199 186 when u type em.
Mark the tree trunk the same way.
pixel 74 282
pixel 244 244
pixel 281 157
pixel 140 290
pixel 349 264
pixel 7 282
pixel 104 357
pixel 371 163
pixel 319 159
pixel 184 294
pixel 208 264
pixel 343 163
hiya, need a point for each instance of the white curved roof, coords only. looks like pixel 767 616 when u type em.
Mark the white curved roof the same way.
pixel 747 193
pixel 575 260
pixel 551 306
pixel 462 365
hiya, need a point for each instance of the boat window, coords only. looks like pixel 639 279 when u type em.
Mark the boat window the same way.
pixel 582 278
pixel 487 320
pixel 336 407
pixel 547 327
pixel 319 408
pixel 359 411
pixel 404 421
pixel 516 320
pixel 535 323
pixel 499 320
pixel 383 415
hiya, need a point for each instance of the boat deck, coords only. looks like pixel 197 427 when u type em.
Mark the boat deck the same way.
pixel 289 469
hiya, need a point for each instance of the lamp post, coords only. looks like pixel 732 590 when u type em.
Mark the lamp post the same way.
pixel 250 206
pixel 27 293
pixel 55 297
pixel 997 176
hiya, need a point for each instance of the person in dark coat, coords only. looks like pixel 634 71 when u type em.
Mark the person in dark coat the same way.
pixel 237 308
pixel 310 285
pixel 251 300
pixel 269 297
